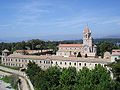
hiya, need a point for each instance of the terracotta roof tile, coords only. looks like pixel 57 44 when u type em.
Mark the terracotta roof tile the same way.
pixel 70 45
pixel 58 58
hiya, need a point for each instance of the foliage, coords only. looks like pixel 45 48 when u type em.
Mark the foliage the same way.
pixel 104 46
pixel 55 78
pixel 116 69
pixel 68 78
pixel 33 44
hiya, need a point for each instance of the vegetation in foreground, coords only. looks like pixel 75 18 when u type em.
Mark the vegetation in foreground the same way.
pixel 12 79
pixel 55 78
pixel 116 70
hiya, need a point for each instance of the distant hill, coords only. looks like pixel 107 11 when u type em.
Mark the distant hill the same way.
pixel 113 40
pixel 2 40
pixel 113 36
pixel 110 39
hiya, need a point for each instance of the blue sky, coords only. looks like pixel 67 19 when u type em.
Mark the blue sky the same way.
pixel 58 19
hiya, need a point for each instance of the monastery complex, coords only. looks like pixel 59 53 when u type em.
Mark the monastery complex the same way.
pixel 68 55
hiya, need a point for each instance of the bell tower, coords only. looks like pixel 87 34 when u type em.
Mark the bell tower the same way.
pixel 87 39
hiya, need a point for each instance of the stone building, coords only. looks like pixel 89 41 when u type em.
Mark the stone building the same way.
pixel 44 61
pixel 87 49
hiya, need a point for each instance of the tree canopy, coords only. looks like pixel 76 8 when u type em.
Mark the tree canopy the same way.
pixel 55 78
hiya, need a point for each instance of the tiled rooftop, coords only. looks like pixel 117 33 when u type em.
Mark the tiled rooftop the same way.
pixel 70 45
pixel 44 57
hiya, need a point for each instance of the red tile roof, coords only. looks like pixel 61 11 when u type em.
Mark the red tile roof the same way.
pixel 70 45
pixel 116 52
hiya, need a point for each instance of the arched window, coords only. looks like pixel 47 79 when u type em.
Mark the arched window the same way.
pixel 75 64
pixel 86 56
pixel 86 36
pixel 70 63
pixel 95 64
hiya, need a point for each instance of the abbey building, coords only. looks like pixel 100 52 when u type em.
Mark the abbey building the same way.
pixel 68 55
pixel 87 49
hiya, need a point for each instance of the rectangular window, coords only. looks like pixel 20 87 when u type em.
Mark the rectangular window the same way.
pixel 60 62
pixel 25 60
pixel 47 62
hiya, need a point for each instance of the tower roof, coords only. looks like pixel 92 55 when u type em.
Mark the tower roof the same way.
pixel 5 50
pixel 86 30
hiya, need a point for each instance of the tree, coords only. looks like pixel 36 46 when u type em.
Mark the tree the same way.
pixel 53 76
pixel 68 78
pixel 33 71
pixel 116 69
pixel 84 77
pixel 102 47
pixel 101 78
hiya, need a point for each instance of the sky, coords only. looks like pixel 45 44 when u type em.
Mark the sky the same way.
pixel 58 19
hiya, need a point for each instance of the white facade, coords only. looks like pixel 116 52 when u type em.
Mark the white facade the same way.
pixel 19 60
